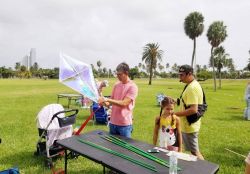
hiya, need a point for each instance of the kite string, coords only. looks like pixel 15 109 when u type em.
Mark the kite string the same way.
pixel 235 153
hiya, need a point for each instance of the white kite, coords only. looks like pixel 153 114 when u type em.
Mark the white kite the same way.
pixel 78 76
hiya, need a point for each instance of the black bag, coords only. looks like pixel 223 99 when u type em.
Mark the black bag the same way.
pixel 195 117
pixel 201 109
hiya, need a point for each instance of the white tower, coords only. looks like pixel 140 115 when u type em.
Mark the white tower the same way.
pixel 25 61
pixel 29 60
pixel 32 57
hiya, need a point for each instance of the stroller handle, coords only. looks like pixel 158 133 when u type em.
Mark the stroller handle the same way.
pixel 65 111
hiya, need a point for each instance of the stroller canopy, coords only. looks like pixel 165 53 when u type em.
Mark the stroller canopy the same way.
pixel 54 131
pixel 46 114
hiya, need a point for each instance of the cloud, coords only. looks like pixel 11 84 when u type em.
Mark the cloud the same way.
pixel 113 31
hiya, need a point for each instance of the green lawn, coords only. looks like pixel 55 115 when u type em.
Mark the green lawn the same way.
pixel 222 127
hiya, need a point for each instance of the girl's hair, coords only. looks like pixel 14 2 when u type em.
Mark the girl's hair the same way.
pixel 167 101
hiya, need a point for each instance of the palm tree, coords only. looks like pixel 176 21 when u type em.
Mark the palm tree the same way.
pixel 17 66
pixel 167 65
pixel 105 71
pixel 248 63
pixel 194 27
pixel 204 67
pixel 143 67
pixel 34 69
pixel 220 60
pixel 216 34
pixel 175 68
pixel 198 68
pixel 161 67
pixel 99 64
pixel 151 54
pixel 140 66
pixel 230 66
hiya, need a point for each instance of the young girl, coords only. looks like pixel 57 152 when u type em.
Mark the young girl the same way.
pixel 167 127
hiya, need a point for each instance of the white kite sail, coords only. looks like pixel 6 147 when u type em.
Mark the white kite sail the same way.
pixel 78 76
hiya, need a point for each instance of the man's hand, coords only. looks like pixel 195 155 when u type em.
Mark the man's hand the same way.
pixel 103 101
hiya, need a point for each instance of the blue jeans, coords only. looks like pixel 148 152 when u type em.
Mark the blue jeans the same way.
pixel 120 130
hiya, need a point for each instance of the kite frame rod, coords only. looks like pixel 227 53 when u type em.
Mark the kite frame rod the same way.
pixel 126 157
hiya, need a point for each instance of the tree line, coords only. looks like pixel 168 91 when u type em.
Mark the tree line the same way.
pixel 142 70
pixel 34 71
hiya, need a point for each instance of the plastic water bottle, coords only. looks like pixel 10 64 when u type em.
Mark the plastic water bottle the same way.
pixel 173 163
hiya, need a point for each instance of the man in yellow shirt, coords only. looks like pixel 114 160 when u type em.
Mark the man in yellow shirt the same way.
pixel 191 97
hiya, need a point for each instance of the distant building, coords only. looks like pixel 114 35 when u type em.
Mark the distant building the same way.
pixel 25 61
pixel 29 60
pixel 32 56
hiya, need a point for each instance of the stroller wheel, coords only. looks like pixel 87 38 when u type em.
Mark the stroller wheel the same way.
pixel 49 163
pixel 73 155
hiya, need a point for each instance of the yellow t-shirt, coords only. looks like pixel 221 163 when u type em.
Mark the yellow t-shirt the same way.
pixel 168 137
pixel 167 122
pixel 192 95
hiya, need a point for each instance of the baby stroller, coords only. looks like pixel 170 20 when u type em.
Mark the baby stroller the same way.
pixel 53 123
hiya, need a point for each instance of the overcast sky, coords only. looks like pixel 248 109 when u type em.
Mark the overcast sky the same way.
pixel 113 31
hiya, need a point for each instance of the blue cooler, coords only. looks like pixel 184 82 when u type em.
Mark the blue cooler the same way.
pixel 100 114
pixel 13 170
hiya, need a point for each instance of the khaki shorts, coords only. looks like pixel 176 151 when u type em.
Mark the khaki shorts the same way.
pixel 190 141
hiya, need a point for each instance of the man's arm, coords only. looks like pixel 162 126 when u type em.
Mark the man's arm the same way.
pixel 125 102
pixel 179 136
pixel 189 111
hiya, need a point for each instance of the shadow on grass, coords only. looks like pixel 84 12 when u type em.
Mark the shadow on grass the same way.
pixel 232 115
pixel 25 160
pixel 89 171
pixel 20 159
pixel 230 118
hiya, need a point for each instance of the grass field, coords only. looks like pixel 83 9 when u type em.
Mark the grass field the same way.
pixel 222 127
